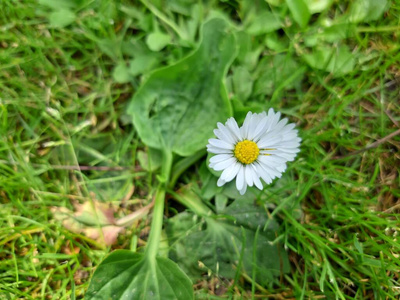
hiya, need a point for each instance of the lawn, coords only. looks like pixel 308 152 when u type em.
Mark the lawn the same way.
pixel 106 108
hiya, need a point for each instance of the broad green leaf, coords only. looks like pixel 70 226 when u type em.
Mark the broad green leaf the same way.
pixel 242 82
pixel 263 23
pixel 222 240
pixel 376 9
pixel 178 106
pixel 366 10
pixel 249 214
pixel 337 32
pixel 338 61
pixel 331 33
pixel 248 9
pixel 244 45
pixel 157 40
pixel 300 11
pixel 275 42
pixel 218 241
pixel 128 275
pixel 249 52
pixel 274 71
pixel 121 73
pixel 142 64
pixel 62 18
pixel 317 6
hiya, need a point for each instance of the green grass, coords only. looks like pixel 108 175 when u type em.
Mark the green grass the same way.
pixel 62 103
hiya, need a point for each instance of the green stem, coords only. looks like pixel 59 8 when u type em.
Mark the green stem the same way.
pixel 378 29
pixel 158 212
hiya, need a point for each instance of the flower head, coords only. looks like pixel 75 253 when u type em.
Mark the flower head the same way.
pixel 258 149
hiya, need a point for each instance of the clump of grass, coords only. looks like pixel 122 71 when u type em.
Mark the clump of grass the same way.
pixel 61 105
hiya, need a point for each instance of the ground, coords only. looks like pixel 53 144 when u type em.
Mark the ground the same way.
pixel 69 69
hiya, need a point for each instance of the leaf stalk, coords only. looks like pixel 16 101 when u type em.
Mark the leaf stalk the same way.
pixel 158 212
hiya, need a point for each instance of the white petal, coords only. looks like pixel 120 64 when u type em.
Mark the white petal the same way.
pixel 288 127
pixel 227 132
pixel 220 182
pixel 248 175
pixel 224 164
pixel 261 116
pixel 244 130
pixel 240 179
pixel 270 120
pixel 243 190
pixel 221 144
pixel 263 174
pixel 273 120
pixel 288 150
pixel 220 157
pixel 272 159
pixel 260 129
pixel 229 173
pixel 272 172
pixel 256 178
pixel 234 128
pixel 258 183
pixel 223 133
pixel 217 150
pixel 287 156
pixel 267 142
pixel 277 117
pixel 289 136
pixel 254 121
pixel 271 112
pixel 281 124
pixel 281 168
pixel 288 144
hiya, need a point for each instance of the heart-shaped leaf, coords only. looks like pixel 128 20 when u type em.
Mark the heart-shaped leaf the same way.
pixel 61 18
pixel 157 40
pixel 338 61
pixel 128 275
pixel 121 73
pixel 264 22
pixel 226 240
pixel 178 106
pixel 300 12
pixel 366 10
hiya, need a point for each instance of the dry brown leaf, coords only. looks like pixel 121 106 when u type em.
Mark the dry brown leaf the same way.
pixel 96 220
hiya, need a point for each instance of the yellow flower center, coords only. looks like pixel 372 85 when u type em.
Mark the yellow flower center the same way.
pixel 246 151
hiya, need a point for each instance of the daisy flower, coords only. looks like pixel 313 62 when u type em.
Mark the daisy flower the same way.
pixel 258 149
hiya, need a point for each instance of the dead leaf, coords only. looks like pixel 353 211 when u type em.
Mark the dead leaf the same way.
pixel 96 220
